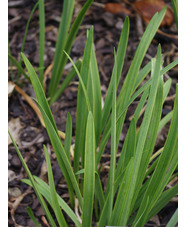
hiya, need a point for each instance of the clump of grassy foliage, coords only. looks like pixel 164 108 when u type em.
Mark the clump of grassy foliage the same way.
pixel 136 186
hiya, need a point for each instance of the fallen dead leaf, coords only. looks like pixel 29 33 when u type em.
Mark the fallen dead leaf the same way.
pixel 115 8
pixel 148 8
pixel 10 88
pixel 11 175
pixel 14 126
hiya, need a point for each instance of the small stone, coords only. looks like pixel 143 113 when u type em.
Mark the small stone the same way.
pixel 100 43
pixel 108 18
pixel 14 192
pixel 16 161
pixel 119 25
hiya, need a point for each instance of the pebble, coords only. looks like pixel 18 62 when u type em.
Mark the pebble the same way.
pixel 14 192
pixel 16 161
pixel 108 18
pixel 119 25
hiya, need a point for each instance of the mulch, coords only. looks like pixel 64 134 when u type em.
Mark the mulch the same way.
pixel 107 29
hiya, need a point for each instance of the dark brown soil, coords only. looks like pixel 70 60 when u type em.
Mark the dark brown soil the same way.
pixel 107 28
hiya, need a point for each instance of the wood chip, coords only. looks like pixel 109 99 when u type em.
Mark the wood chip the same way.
pixel 15 3
pixel 14 126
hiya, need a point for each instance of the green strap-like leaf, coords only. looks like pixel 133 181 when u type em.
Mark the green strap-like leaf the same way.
pixel 96 95
pixel 38 89
pixel 89 175
pixel 83 103
pixel 68 135
pixel 141 104
pixel 173 220
pixel 165 120
pixel 166 88
pixel 120 61
pixel 67 145
pixel 111 177
pixel 57 70
pixel 104 214
pixel 128 149
pixel 41 39
pixel 18 65
pixel 55 204
pixel 31 215
pixel 175 8
pixel 99 191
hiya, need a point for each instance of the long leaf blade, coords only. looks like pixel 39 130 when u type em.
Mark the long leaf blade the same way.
pixel 31 215
pixel 120 59
pixel 18 65
pixel 40 95
pixel 68 135
pixel 68 7
pixel 174 219
pixel 41 39
pixel 96 95
pixel 83 103
pixel 89 176
pixel 111 177
pixel 53 193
